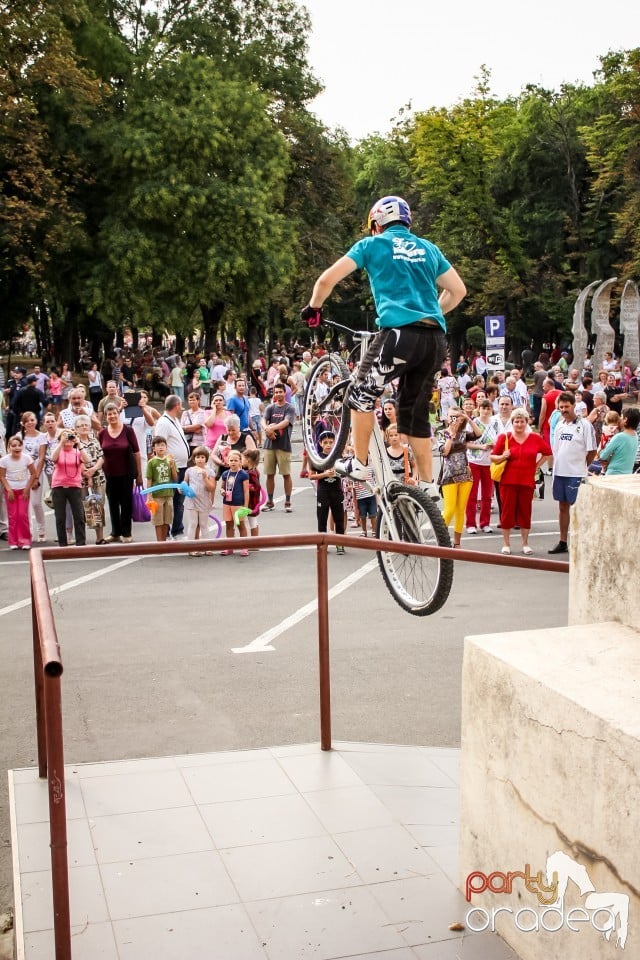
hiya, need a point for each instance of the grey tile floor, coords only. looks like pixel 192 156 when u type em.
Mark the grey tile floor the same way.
pixel 281 854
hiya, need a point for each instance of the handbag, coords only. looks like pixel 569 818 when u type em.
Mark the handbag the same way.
pixel 497 469
pixel 140 512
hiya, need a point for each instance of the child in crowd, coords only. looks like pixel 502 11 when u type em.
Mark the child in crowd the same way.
pixel 235 494
pixel 161 468
pixel 329 490
pixel 250 461
pixel 198 508
pixel 17 476
pixel 256 409
pixel 399 455
pixel 610 427
pixel 580 406
pixel 366 506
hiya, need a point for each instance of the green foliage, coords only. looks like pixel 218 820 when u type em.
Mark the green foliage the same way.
pixel 475 337
pixel 196 217
pixel 613 150
pixel 47 98
pixel 159 162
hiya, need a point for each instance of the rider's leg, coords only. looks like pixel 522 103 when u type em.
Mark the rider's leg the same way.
pixel 423 455
pixel 361 429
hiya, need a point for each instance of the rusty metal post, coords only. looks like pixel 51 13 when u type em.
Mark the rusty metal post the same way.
pixel 41 730
pixel 57 816
pixel 323 648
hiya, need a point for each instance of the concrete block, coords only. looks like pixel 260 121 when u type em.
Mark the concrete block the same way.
pixel 551 764
pixel 603 579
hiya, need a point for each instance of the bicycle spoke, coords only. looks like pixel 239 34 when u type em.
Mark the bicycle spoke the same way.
pixel 419 584
pixel 320 414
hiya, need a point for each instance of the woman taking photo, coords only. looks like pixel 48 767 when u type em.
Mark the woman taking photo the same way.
pixel 66 486
pixel 523 451
pixel 121 467
pixel 142 420
pixel 455 474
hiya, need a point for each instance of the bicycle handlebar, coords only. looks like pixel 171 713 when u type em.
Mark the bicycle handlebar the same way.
pixel 361 334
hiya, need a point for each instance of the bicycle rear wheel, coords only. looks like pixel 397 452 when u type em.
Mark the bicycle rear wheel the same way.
pixel 319 414
pixel 420 585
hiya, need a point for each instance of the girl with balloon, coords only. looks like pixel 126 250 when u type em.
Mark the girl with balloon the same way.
pixel 198 508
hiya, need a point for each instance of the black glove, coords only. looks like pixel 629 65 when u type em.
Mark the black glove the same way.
pixel 312 316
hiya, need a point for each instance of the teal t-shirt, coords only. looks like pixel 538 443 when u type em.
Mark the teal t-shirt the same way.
pixel 620 454
pixel 402 271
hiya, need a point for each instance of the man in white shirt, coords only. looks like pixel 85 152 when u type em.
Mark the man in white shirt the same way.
pixel 574 447
pixel 170 428
pixel 508 389
pixel 521 389
pixel 218 370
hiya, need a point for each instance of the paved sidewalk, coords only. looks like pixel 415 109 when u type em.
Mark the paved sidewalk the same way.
pixel 278 854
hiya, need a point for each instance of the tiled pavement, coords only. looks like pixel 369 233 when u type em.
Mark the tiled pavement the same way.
pixel 275 854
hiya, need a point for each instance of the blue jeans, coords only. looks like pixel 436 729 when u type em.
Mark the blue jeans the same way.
pixel 178 506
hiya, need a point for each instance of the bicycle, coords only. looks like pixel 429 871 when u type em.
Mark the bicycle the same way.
pixel 420 585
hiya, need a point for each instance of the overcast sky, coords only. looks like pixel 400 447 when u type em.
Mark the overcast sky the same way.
pixel 374 56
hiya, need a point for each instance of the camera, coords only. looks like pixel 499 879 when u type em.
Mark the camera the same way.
pixel 71 436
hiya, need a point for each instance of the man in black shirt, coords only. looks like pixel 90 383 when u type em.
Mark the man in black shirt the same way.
pixel 614 394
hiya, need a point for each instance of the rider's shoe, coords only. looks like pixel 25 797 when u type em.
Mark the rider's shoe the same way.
pixel 351 467
pixel 430 488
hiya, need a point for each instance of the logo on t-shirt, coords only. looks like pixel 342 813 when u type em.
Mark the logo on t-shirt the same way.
pixel 407 250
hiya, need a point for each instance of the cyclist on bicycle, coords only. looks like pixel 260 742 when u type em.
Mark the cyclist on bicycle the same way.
pixel 413 286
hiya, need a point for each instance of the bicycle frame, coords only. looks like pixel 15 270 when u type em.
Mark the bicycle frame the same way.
pixel 405 512
pixel 383 475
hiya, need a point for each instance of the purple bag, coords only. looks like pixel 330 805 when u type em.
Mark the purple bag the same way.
pixel 140 512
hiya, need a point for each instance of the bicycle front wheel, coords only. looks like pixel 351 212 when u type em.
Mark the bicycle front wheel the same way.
pixel 319 414
pixel 420 585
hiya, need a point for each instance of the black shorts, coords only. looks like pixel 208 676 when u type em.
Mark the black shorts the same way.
pixel 413 354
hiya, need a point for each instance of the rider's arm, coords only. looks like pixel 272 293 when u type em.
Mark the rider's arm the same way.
pixel 452 289
pixel 331 276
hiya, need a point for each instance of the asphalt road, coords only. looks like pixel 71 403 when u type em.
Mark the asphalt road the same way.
pixel 148 647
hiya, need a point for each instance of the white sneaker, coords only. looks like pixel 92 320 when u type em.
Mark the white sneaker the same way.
pixel 472 529
pixel 486 530
pixel 351 467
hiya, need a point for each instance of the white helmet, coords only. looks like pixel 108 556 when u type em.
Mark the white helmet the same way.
pixel 389 210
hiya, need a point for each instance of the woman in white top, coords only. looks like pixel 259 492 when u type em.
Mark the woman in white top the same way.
pixel 176 378
pixel 142 425
pixel 34 443
pixel 96 392
pixel 447 387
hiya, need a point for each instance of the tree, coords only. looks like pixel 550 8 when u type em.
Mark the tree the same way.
pixel 613 145
pixel 475 337
pixel 200 169
pixel 46 96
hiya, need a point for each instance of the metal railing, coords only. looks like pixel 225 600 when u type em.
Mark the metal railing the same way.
pixel 47 662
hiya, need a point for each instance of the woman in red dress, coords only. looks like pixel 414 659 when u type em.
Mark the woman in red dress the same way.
pixel 523 451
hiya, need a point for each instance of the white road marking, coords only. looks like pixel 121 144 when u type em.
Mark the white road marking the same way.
pixel 262 643
pixel 71 584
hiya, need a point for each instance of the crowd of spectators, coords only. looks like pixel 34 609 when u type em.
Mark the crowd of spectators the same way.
pixel 84 443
